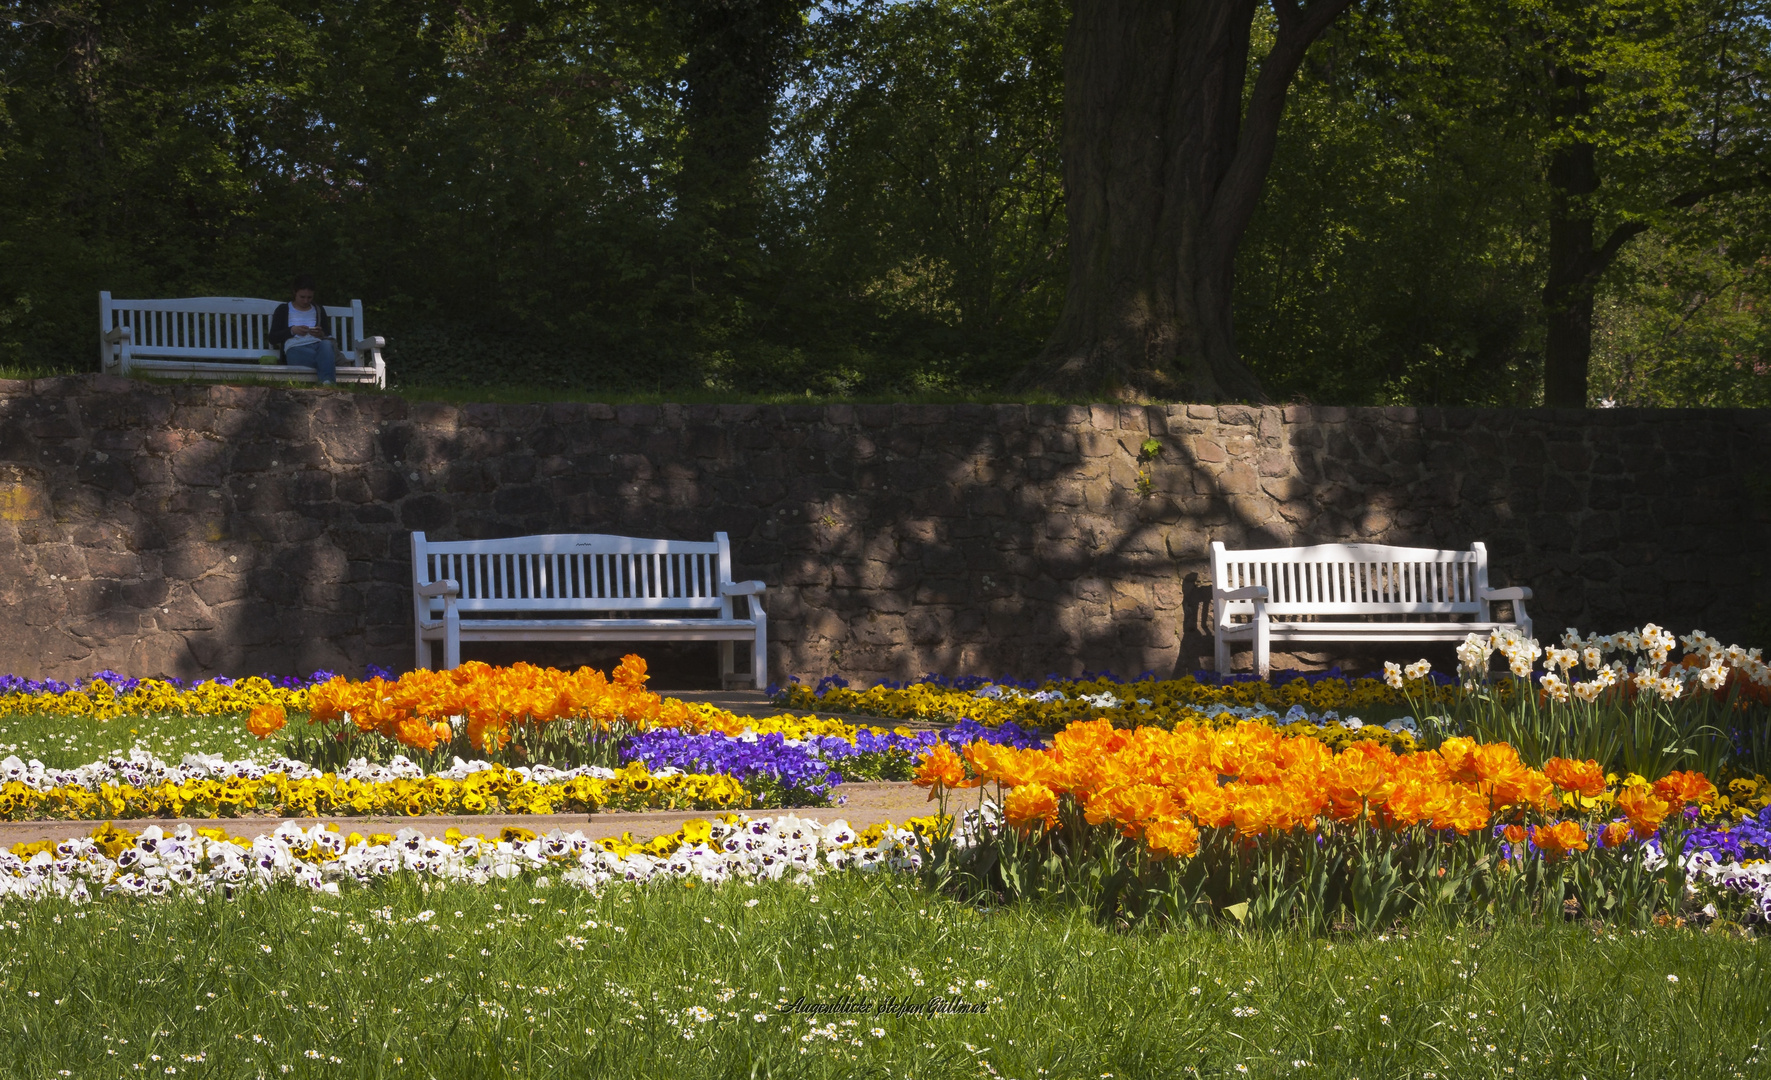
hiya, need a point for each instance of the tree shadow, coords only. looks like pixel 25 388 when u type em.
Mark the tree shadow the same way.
pixel 267 529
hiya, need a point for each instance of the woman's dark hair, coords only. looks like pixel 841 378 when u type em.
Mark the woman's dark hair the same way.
pixel 304 281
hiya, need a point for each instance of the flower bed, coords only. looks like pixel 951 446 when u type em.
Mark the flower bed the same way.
pixel 1053 702
pixel 800 770
pixel 1248 824
pixel 157 863
pixel 536 740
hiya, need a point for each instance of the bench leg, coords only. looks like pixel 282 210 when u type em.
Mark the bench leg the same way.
pixel 726 663
pixel 1263 653
pixel 1221 659
pixel 759 655
pixel 422 650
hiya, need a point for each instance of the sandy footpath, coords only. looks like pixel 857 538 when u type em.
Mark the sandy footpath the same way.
pixel 866 804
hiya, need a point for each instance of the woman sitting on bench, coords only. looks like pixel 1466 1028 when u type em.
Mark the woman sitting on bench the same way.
pixel 298 330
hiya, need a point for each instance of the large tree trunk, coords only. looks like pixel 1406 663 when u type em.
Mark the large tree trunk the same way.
pixel 1163 167
pixel 736 62
pixel 1575 265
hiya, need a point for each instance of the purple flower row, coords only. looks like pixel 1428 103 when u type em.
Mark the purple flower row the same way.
pixel 768 757
pixel 1749 838
pixel 123 684
pixel 814 764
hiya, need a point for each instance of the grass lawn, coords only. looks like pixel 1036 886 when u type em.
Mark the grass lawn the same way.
pixel 517 394
pixel 68 742
pixel 521 979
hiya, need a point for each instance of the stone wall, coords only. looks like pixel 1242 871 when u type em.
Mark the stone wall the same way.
pixel 195 530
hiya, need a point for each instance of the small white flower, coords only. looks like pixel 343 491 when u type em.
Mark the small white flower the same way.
pixel 1672 978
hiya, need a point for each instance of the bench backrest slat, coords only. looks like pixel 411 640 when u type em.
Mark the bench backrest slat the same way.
pixel 584 572
pixel 1355 579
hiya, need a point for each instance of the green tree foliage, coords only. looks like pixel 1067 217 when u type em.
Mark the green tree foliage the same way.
pixel 865 197
pixel 1394 256
pixel 1458 179
pixel 920 164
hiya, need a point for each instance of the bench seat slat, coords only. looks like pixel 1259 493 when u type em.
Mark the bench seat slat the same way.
pixel 590 604
pixel 605 630
pixel 1371 631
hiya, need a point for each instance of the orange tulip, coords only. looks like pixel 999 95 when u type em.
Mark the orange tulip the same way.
pixel 1175 837
pixel 1559 839
pixel 1615 833
pixel 265 720
pixel 942 770
pixel 1459 755
pixel 1030 804
pixel 1581 777
pixel 1644 809
pixel 1679 788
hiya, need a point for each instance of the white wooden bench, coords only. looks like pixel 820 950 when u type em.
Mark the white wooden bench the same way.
pixel 1394 593
pixel 586 587
pixel 222 337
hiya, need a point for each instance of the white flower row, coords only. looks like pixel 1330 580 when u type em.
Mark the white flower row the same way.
pixel 180 862
pixel 1751 878
pixel 1650 647
pixel 142 769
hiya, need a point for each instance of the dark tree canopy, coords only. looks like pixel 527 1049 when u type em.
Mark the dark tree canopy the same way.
pixel 1406 201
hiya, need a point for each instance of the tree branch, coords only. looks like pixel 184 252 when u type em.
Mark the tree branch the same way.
pixel 1240 189
pixel 1601 258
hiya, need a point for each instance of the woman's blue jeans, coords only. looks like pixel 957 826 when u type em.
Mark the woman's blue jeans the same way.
pixel 317 354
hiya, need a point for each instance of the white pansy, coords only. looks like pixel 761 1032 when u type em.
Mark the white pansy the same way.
pixel 180 862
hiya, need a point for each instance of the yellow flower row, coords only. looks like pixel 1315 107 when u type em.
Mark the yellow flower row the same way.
pixel 1143 702
pixel 494 790
pixel 152 697
pixel 112 839
pixel 1740 799
pixel 708 718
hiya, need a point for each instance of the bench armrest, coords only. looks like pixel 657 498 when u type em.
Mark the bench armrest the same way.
pixel 1516 592
pixel 119 335
pixel 445 588
pixel 1250 592
pixel 741 588
pixel 373 342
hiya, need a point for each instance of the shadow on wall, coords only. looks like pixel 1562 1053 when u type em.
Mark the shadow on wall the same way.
pixel 191 531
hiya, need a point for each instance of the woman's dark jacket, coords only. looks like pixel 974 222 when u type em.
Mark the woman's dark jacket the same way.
pixel 279 334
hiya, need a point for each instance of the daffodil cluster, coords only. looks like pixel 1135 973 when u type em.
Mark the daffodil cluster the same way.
pixel 1623 665
pixel 158 863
